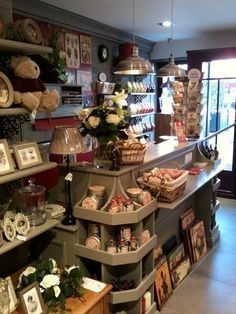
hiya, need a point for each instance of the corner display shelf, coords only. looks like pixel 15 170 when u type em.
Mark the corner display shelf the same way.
pixel 11 46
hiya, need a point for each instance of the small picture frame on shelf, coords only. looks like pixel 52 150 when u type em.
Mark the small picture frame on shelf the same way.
pixel 31 299
pixel 6 162
pixel 27 155
pixel 12 295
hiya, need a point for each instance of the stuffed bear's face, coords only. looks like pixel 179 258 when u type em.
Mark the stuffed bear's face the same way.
pixel 24 67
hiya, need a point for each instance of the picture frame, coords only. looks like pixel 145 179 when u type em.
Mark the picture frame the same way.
pixel 6 162
pixel 180 271
pixel 12 295
pixel 27 155
pixel 163 284
pixel 6 91
pixel 72 48
pixel 85 49
pixel 31 299
pixel 198 240
pixel 175 256
pixel 187 219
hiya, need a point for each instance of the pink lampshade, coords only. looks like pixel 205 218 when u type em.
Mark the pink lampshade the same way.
pixel 66 140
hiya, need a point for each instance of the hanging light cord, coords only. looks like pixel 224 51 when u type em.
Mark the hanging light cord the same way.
pixel 133 25
pixel 171 29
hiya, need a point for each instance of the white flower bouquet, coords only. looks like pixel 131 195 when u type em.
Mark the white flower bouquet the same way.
pixel 55 285
pixel 106 122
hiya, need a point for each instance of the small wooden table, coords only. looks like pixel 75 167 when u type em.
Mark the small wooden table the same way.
pixel 90 303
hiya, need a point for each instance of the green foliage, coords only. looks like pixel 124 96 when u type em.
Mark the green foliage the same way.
pixel 56 285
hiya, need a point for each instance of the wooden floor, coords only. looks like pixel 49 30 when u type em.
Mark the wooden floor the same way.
pixel 211 287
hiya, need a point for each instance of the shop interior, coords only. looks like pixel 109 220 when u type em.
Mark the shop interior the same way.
pixel 118 157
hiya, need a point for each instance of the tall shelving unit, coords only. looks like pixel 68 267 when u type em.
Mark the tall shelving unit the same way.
pixel 15 47
pixel 140 117
pixel 134 265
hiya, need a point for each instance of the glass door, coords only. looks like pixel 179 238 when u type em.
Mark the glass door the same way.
pixel 219 92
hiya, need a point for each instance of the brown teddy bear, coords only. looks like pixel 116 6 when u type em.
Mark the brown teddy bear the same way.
pixel 29 90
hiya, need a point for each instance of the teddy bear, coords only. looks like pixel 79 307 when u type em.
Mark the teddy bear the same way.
pixel 29 90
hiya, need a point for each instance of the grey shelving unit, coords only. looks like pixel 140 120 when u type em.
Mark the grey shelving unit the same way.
pixel 109 266
pixel 15 47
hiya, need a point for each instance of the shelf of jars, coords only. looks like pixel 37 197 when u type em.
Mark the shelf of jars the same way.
pixel 12 46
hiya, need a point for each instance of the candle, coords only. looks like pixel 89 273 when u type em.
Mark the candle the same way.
pixel 148 300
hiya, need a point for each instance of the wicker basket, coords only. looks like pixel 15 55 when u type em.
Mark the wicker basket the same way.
pixel 132 154
pixel 167 191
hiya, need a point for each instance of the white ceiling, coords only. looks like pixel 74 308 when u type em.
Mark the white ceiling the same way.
pixel 192 18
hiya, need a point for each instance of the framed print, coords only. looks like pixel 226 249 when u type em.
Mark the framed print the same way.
pixel 85 49
pixel 12 294
pixel 72 51
pixel 163 284
pixel 198 240
pixel 27 155
pixel 6 91
pixel 84 79
pixel 31 299
pixel 175 256
pixel 187 219
pixel 6 162
pixel 180 271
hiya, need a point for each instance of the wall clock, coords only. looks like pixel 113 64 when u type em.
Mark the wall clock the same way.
pixel 103 53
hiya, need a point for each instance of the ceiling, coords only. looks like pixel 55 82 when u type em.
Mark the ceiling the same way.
pixel 192 18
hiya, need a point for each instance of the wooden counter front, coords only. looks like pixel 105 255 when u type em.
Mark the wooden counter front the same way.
pixel 90 303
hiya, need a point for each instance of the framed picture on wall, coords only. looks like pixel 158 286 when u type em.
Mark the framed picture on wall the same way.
pixel 85 49
pixel 72 48
pixel 27 155
pixel 6 162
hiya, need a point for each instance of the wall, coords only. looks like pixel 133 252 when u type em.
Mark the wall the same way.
pixel 161 51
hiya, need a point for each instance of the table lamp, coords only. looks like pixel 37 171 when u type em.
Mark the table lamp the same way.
pixel 67 141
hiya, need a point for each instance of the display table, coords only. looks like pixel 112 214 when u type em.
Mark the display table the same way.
pixel 90 303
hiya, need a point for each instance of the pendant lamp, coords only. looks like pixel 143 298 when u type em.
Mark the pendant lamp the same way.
pixel 171 69
pixel 134 64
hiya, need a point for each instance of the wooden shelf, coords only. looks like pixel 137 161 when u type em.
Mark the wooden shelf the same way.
pixel 35 231
pixel 19 174
pixel 21 47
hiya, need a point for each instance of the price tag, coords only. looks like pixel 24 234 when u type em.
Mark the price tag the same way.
pixel 69 176
pixel 33 114
pixel 22 238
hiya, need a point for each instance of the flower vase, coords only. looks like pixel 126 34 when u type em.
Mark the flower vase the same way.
pixel 100 159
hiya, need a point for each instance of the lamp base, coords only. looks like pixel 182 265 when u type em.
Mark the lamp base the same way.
pixel 69 220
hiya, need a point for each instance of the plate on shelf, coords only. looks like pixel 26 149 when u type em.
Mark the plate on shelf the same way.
pixel 6 91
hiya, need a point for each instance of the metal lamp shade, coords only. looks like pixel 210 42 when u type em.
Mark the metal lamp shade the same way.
pixel 134 65
pixel 171 69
